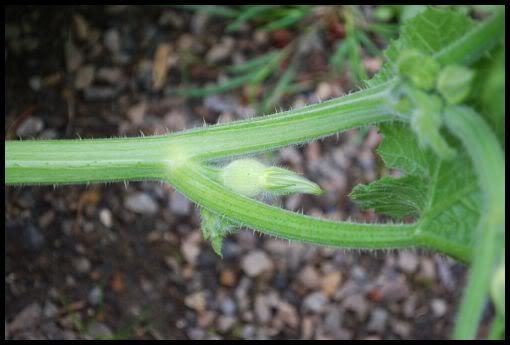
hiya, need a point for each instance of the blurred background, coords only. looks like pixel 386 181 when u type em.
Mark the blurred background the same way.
pixel 119 261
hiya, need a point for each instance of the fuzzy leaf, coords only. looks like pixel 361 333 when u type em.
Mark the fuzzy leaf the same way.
pixel 429 32
pixel 444 194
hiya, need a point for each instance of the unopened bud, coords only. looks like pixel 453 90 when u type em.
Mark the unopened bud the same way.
pixel 250 177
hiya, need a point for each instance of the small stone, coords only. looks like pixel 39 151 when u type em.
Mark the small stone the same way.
pixel 407 262
pixel 293 201
pixel 112 40
pixel 99 330
pixel 307 327
pixel 427 269
pixel 288 314
pixel 228 306
pixel 309 277
pixel 26 318
pixel 50 310
pixel 220 51
pixel 401 328
pixel 314 302
pixel 136 113
pixel 439 307
pixel 255 263
pixel 30 127
pixel 84 77
pixel 100 92
pixel 377 322
pixel 395 291
pixel 141 203
pixel 95 295
pixel 74 56
pixel 110 75
pixel 82 264
pixel 262 309
pixel 225 323
pixel 190 247
pixel 330 283
pixel 105 216
pixel 196 333
pixel 324 91
pixel 179 204
pixel 196 301
pixel 228 278
pixel 358 304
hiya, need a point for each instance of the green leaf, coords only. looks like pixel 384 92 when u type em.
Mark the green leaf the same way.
pixel 215 228
pixel 429 32
pixel 488 94
pixel 444 194
pixel 396 197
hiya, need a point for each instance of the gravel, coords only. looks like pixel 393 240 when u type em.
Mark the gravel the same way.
pixel 141 203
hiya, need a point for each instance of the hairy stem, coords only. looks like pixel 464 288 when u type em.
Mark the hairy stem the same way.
pixel 81 161
pixel 488 162
pixel 193 181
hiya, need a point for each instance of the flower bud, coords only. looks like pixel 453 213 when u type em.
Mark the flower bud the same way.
pixel 419 68
pixel 250 177
pixel 454 83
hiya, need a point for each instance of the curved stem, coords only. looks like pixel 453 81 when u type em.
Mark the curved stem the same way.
pixel 193 181
pixel 488 162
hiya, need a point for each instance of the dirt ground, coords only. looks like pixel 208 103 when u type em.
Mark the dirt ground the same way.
pixel 128 260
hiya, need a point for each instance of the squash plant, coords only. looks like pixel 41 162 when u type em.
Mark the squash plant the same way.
pixel 439 104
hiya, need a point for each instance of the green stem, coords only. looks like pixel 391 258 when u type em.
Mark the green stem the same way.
pixel 488 162
pixel 80 161
pixel 194 182
pixel 475 43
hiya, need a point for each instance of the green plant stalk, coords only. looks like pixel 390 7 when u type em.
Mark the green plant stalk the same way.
pixel 194 182
pixel 489 163
pixel 477 42
pixel 98 160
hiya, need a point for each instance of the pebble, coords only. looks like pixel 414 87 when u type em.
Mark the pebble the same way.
pixel 179 204
pixel 220 51
pixel 332 320
pixel 314 302
pixel 190 247
pixel 196 333
pixel 50 310
pixel 105 216
pixel 99 330
pixel 26 318
pixel 288 314
pixel 100 92
pixel 262 309
pixel 141 203
pixel 109 74
pixel 439 307
pixel 401 328
pixel 427 269
pixel 74 56
pixel 407 262
pixel 378 319
pixel 84 77
pixel 228 278
pixel 196 301
pixel 255 263
pixel 358 304
pixel 309 277
pixel 329 283
pixel 112 40
pixel 228 306
pixel 395 291
pixel 30 127
pixel 95 295
pixel 82 264
pixel 25 234
pixel 225 323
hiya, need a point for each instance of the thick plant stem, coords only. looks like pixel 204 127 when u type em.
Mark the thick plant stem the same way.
pixel 82 161
pixel 193 181
pixel 488 162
